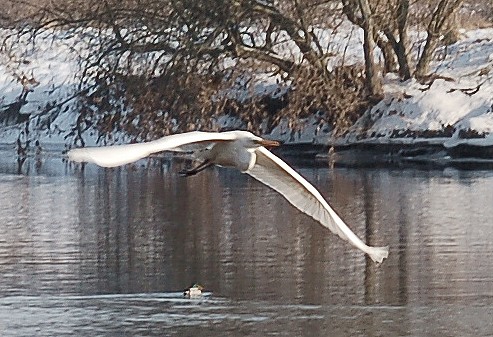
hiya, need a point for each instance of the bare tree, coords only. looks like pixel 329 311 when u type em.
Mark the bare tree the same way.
pixel 392 19
pixel 360 13
pixel 163 65
pixel 157 66
pixel 398 38
pixel 442 12
pixel 373 77
pixel 389 30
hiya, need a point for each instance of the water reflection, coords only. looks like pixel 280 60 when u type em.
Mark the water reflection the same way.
pixel 70 236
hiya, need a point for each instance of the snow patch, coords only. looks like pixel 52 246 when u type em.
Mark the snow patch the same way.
pixel 456 107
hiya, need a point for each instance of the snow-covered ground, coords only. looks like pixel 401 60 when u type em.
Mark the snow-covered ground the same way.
pixel 45 77
pixel 456 107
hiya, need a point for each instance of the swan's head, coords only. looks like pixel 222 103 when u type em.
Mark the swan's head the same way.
pixel 239 150
pixel 251 141
pixel 267 143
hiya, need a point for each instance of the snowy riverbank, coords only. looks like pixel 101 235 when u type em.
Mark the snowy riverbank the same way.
pixel 450 116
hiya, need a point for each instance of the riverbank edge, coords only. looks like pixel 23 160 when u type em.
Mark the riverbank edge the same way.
pixel 425 153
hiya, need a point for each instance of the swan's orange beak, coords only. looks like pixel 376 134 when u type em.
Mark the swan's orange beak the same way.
pixel 268 143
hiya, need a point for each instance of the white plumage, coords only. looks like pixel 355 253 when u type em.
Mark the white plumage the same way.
pixel 246 152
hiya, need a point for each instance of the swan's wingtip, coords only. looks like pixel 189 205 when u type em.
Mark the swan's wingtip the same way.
pixel 378 254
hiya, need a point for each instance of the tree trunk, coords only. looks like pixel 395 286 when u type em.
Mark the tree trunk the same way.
pixel 443 11
pixel 401 46
pixel 402 50
pixel 423 66
pixel 373 83
pixel 389 58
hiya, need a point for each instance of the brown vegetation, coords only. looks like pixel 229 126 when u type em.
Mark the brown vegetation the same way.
pixel 160 66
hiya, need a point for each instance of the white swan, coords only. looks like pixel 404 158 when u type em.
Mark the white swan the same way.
pixel 246 152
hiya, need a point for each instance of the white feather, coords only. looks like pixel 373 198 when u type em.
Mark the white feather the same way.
pixel 275 173
pixel 116 155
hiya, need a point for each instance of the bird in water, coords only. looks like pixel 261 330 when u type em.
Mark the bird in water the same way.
pixel 195 290
pixel 249 154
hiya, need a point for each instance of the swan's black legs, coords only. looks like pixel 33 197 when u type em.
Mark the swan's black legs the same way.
pixel 202 166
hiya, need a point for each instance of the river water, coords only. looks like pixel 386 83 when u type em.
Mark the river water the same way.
pixel 86 251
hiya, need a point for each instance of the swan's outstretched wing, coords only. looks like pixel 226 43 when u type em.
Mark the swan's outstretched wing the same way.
pixel 111 156
pixel 275 173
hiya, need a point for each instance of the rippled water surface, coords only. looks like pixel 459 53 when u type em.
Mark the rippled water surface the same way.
pixel 91 252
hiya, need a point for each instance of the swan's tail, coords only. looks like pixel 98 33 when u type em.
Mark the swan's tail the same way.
pixel 377 254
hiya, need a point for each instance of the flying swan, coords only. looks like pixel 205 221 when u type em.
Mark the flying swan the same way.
pixel 246 152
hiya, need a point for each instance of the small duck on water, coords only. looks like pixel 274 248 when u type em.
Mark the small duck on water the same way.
pixel 194 291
